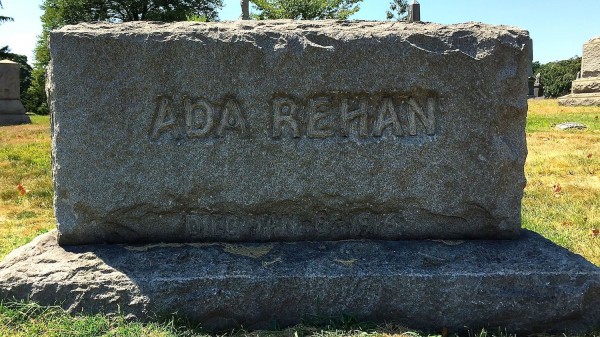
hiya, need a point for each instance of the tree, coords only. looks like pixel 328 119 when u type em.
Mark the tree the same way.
pixel 536 66
pixel 4 18
pixel 305 9
pixel 58 13
pixel 398 10
pixel 74 11
pixel 557 76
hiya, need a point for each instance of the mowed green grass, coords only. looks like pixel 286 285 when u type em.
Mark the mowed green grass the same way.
pixel 562 197
pixel 25 159
pixel 32 320
pixel 561 202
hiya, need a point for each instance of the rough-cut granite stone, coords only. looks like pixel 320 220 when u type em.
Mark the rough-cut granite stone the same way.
pixel 439 153
pixel 524 285
pixel 585 90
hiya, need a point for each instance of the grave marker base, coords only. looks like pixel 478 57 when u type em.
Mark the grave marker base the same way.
pixel 524 285
pixel 585 99
pixel 14 119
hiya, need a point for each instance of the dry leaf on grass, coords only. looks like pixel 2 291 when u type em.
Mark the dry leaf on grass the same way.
pixel 21 189
pixel 594 232
pixel 557 188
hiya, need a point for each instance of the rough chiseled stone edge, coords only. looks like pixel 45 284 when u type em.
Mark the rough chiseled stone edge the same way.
pixel 587 99
pixel 526 285
pixel 586 85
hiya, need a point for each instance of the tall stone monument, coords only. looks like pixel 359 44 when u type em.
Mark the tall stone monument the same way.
pixel 585 89
pixel 267 173
pixel 12 110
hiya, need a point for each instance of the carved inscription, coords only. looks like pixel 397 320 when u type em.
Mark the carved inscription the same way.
pixel 329 116
pixel 202 119
pixel 317 117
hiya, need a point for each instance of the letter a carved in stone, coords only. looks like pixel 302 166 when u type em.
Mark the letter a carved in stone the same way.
pixel 164 118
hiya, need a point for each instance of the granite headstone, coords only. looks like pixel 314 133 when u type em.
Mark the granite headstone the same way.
pixel 12 111
pixel 286 130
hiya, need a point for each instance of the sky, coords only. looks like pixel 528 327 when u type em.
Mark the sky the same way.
pixel 558 28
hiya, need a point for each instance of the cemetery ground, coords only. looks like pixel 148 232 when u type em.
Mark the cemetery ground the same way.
pixel 561 202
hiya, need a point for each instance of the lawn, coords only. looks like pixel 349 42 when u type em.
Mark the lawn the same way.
pixel 561 202
pixel 562 197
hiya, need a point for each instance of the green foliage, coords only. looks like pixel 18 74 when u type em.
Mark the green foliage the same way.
pixel 398 10
pixel 58 13
pixel 305 9
pixel 196 18
pixel 24 70
pixel 36 93
pixel 74 11
pixel 535 66
pixel 557 76
pixel 4 18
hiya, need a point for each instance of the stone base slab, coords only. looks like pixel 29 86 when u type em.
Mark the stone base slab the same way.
pixel 588 99
pixel 586 85
pixel 14 119
pixel 11 107
pixel 524 285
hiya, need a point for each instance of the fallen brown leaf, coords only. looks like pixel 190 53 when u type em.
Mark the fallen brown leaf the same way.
pixel 557 188
pixel 21 189
pixel 594 232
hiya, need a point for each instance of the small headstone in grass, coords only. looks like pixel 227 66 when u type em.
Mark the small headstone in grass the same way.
pixel 571 125
pixel 12 111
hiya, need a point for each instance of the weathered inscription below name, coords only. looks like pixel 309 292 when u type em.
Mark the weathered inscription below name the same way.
pixel 318 117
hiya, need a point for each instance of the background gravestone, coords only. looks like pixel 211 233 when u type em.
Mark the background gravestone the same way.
pixel 12 110
pixel 538 87
pixel 585 89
